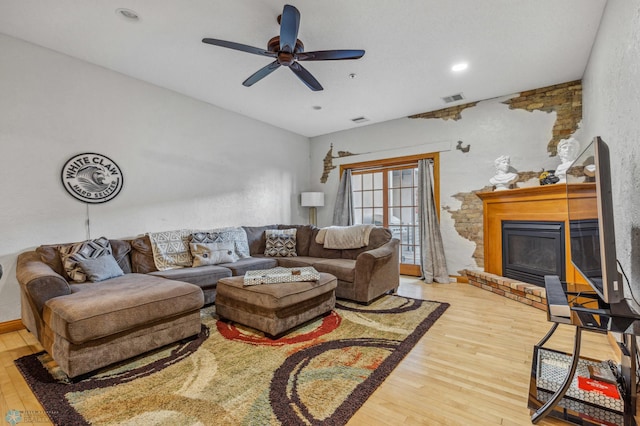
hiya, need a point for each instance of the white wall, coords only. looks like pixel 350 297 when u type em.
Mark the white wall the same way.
pixel 611 109
pixel 185 163
pixel 491 128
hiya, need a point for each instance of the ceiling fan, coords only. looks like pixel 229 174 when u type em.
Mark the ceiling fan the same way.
pixel 287 51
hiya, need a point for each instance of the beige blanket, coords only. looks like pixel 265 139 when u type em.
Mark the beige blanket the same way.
pixel 344 237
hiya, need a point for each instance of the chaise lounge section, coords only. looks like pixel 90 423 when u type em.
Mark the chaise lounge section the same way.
pixel 90 325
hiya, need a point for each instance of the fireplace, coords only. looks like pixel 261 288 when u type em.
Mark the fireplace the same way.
pixel 546 203
pixel 533 249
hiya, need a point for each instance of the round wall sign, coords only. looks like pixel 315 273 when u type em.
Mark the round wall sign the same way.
pixel 92 178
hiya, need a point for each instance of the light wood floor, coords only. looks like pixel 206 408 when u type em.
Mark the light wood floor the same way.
pixel 471 368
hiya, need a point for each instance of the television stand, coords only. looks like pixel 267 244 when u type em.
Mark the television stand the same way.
pixel 554 389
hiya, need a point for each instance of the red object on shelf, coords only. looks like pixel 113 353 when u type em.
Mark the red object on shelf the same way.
pixel 608 389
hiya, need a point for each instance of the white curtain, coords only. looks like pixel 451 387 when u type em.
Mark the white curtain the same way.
pixel 343 212
pixel 432 261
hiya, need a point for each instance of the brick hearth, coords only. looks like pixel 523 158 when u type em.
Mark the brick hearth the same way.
pixel 529 294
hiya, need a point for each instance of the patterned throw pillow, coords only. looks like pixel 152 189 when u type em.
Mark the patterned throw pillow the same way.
pixel 280 242
pixel 212 253
pixel 171 249
pixel 237 236
pixel 73 253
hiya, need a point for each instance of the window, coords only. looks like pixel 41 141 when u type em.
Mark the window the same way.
pixel 385 193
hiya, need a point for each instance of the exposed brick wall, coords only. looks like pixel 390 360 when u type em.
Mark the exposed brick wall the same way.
pixel 327 163
pixel 565 99
pixel 468 221
pixel 528 294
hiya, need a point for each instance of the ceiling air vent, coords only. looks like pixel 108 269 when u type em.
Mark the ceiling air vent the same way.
pixel 360 120
pixel 453 98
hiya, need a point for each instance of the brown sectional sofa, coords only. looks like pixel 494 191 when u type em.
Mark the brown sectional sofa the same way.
pixel 90 325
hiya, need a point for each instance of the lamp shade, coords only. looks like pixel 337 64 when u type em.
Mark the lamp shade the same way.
pixel 312 199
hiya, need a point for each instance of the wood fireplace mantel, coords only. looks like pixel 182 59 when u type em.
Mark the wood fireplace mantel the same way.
pixel 536 203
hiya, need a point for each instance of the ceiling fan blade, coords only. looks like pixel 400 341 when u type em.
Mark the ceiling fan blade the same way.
pixel 305 76
pixel 330 55
pixel 289 25
pixel 261 73
pixel 239 46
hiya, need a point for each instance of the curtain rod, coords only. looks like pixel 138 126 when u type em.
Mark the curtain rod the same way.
pixel 399 166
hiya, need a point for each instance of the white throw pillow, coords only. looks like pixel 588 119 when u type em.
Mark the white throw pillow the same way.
pixel 212 253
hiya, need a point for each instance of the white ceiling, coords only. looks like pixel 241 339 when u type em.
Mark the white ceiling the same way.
pixel 510 46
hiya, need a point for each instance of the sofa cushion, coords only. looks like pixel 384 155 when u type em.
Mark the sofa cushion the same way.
pixel 50 254
pixel 304 233
pixel 74 253
pixel 204 276
pixel 280 242
pixel 212 253
pixel 256 238
pixel 250 264
pixel 142 255
pixel 317 250
pixel 121 249
pixel 343 269
pixel 298 261
pixel 119 304
pixel 101 268
pixel 378 237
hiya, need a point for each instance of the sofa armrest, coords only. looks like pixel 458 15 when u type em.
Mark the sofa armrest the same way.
pixel 38 281
pixel 370 261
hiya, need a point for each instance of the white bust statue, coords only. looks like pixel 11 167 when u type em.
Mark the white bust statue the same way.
pixel 503 178
pixel 568 150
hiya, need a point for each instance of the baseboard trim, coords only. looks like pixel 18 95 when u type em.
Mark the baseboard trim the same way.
pixel 9 326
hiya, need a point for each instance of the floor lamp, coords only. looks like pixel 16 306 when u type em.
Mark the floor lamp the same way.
pixel 312 200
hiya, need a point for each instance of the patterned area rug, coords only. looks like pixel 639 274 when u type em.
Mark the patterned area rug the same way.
pixel 320 373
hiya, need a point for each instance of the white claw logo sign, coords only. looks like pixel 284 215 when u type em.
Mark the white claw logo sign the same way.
pixel 92 178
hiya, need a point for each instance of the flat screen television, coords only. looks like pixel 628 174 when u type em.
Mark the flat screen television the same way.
pixel 592 239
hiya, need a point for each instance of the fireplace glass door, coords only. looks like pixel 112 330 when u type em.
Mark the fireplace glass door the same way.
pixel 533 249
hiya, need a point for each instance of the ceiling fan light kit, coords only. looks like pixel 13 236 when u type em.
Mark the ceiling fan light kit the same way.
pixel 287 51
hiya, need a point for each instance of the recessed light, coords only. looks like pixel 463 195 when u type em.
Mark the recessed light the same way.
pixel 128 14
pixel 353 75
pixel 460 67
pixel 317 107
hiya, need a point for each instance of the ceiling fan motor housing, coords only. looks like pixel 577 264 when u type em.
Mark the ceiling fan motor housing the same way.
pixel 284 58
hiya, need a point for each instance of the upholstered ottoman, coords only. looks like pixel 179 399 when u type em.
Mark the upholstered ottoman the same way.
pixel 275 308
